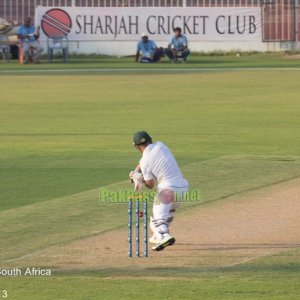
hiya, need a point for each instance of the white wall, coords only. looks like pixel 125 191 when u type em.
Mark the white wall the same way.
pixel 124 48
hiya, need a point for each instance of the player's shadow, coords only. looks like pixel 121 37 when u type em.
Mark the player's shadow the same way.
pixel 226 247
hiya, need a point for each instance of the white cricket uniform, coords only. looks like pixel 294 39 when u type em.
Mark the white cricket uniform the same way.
pixel 158 163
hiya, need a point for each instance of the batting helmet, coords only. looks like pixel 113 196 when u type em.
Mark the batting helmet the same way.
pixel 141 137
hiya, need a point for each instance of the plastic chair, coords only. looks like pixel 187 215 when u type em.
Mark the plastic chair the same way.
pixel 58 43
pixel 4 48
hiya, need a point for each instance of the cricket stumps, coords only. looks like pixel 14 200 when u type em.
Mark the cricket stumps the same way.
pixel 138 214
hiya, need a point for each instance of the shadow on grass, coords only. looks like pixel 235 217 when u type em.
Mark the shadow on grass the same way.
pixel 290 269
pixel 226 247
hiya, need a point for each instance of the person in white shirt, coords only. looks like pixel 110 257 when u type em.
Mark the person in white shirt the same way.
pixel 159 168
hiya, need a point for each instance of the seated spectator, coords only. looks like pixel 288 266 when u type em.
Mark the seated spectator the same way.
pixel 29 38
pixel 148 49
pixel 178 47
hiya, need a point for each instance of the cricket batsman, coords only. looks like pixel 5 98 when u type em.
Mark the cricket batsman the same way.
pixel 158 169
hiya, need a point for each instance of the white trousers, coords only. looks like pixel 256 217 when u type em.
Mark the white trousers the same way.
pixel 164 207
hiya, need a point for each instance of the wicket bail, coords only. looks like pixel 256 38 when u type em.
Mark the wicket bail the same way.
pixel 138 215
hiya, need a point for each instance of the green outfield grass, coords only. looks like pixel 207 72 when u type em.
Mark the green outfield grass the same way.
pixel 196 61
pixel 63 137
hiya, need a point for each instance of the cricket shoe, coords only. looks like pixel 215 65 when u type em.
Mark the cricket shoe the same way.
pixel 165 242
